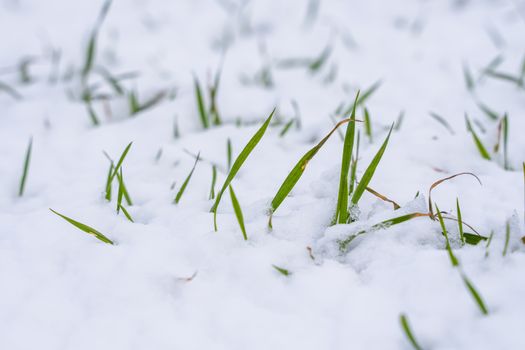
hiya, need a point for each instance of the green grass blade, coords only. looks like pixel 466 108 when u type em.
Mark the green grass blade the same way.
pixel 92 115
pixel 460 222
pixel 319 62
pixel 10 91
pixel 120 161
pixel 238 212
pixel 126 213
pixel 469 80
pixel 488 112
pixel 286 128
pixel 408 332
pixel 85 228
pixel 282 271
pixel 453 260
pixel 443 122
pixel 369 172
pixel 25 171
pixel 213 181
pixel 368 125
pixel 92 44
pixel 477 297
pixel 353 171
pixel 489 240
pixel 185 183
pixel 200 105
pixel 241 158
pixel 479 145
pixel 108 182
pixel 507 238
pixel 348 148
pixel 505 122
pixel 229 152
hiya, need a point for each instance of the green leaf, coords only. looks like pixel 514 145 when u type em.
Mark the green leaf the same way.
pixel 341 214
pixel 213 181
pixel 473 239
pixel 368 125
pixel 126 214
pixel 185 183
pixel 408 332
pixel 507 238
pixel 238 212
pixel 369 172
pixel 241 158
pixel 27 160
pixel 85 228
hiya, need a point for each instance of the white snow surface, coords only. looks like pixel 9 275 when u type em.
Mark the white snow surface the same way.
pixel 63 289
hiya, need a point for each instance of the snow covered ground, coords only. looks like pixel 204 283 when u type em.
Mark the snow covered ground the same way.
pixel 170 281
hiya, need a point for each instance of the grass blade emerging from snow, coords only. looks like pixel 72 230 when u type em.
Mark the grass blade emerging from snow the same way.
pixel 341 214
pixel 213 181
pixel 475 295
pixel 479 145
pixel 241 158
pixel 238 212
pixel 25 171
pixel 85 228
pixel 460 222
pixel 298 170
pixel 282 271
pixel 186 181
pixel 453 260
pixel 408 332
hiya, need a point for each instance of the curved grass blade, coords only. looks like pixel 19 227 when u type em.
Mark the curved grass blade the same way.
pixel 369 172
pixel 438 182
pixel 185 183
pixel 298 170
pixel 341 213
pixel 27 160
pixel 443 122
pixel 408 332
pixel 383 198
pixel 85 228
pixel 241 158
pixel 238 212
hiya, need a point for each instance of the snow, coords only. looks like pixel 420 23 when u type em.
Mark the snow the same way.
pixel 63 289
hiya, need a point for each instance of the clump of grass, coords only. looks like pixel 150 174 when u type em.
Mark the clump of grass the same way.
pixel 114 171
pixel 85 228
pixel 408 332
pixel 25 170
pixel 238 212
pixel 297 171
pixel 282 270
pixel 186 181
pixel 241 158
